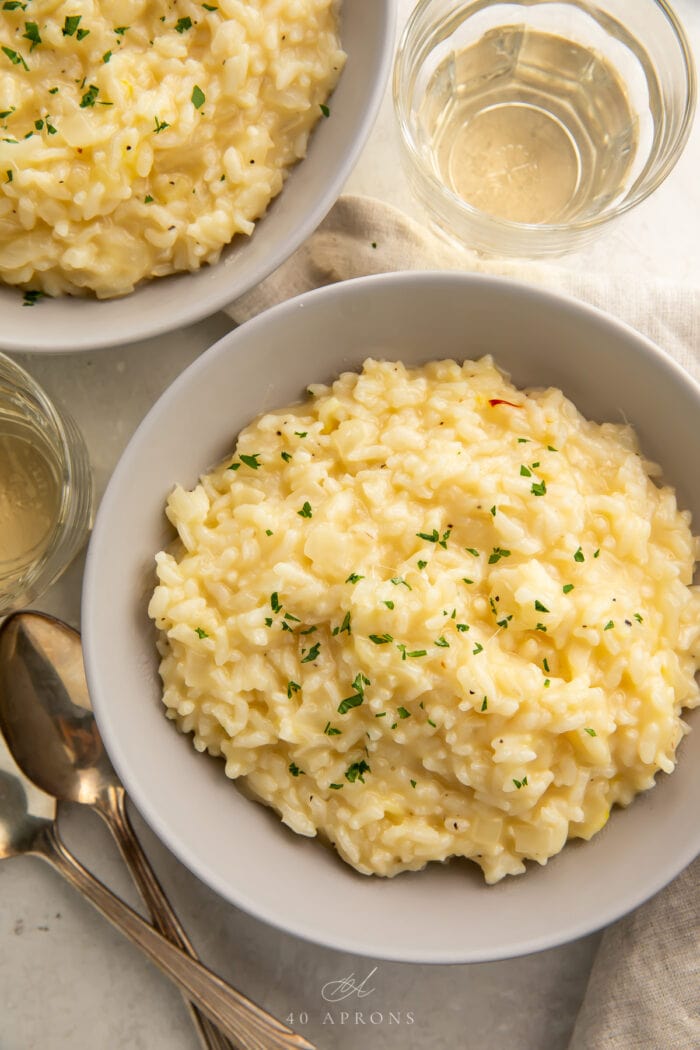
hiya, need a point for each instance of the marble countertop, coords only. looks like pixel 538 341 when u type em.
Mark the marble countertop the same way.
pixel 67 979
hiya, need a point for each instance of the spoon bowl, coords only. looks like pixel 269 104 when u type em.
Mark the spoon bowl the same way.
pixel 45 711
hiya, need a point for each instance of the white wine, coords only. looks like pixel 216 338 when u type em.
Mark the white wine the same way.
pixel 530 127
pixel 29 497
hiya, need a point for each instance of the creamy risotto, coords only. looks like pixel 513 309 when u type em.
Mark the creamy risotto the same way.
pixel 138 138
pixel 426 614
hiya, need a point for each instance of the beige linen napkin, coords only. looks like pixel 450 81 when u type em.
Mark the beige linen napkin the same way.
pixel 644 988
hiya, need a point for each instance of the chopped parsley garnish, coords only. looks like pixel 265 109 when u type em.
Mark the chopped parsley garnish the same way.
pixel 430 537
pixel 8 112
pixel 32 297
pixel 331 730
pixel 422 564
pixel 305 511
pixel 541 627
pixel 15 58
pixel 504 621
pixel 71 24
pixel 9 175
pixel 345 625
pixel 213 7
pixel 442 642
pixel 354 577
pixel 359 683
pixel 538 488
pixel 596 554
pixel 638 618
pixel 301 433
pixel 82 33
pixel 396 580
pixel 325 110
pixel 90 97
pixel 269 532
pixel 121 30
pixel 292 687
pixel 413 783
pixel 312 654
pixel 484 704
pixel 161 125
pixel 462 626
pixel 380 639
pixel 356 771
pixel 183 24
pixel 493 510
pixel 523 441
pixel 547 683
pixel 286 456
pixel 579 556
pixel 294 769
pixel 609 625
pixel 106 57
pixel 336 787
pixel 478 648
pixel 591 732
pixel 414 653
pixel 520 783
pixel 275 602
pixel 431 723
pixel 148 199
pixel 567 588
pixel 545 664
pixel 382 714
pixel 551 448
pixel 473 551
pixel 540 607
pixel 198 96
pixel 200 632
pixel 290 616
pixel 496 554
pixel 31 32
pixel 403 713
pixel 525 472
pixel 251 461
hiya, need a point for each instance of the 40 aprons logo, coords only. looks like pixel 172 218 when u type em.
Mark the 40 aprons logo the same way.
pixel 351 993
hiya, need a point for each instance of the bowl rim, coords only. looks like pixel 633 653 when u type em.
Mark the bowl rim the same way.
pixel 359 943
pixel 541 230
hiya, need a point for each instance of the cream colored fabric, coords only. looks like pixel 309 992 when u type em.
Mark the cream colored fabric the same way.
pixel 343 247
pixel 644 988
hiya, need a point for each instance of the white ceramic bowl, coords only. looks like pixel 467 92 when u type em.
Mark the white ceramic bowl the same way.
pixel 445 913
pixel 66 323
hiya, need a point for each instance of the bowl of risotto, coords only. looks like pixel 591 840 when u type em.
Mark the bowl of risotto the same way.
pixel 391 593
pixel 156 167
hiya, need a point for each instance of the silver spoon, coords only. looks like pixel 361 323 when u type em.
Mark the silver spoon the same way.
pixel 47 720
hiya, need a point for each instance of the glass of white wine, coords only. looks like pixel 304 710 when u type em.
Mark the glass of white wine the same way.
pixel 45 489
pixel 528 124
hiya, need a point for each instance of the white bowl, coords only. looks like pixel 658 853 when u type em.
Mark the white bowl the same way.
pixel 161 305
pixel 444 913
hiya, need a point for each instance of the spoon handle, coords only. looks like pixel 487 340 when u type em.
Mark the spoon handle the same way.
pixel 249 1026
pixel 113 809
